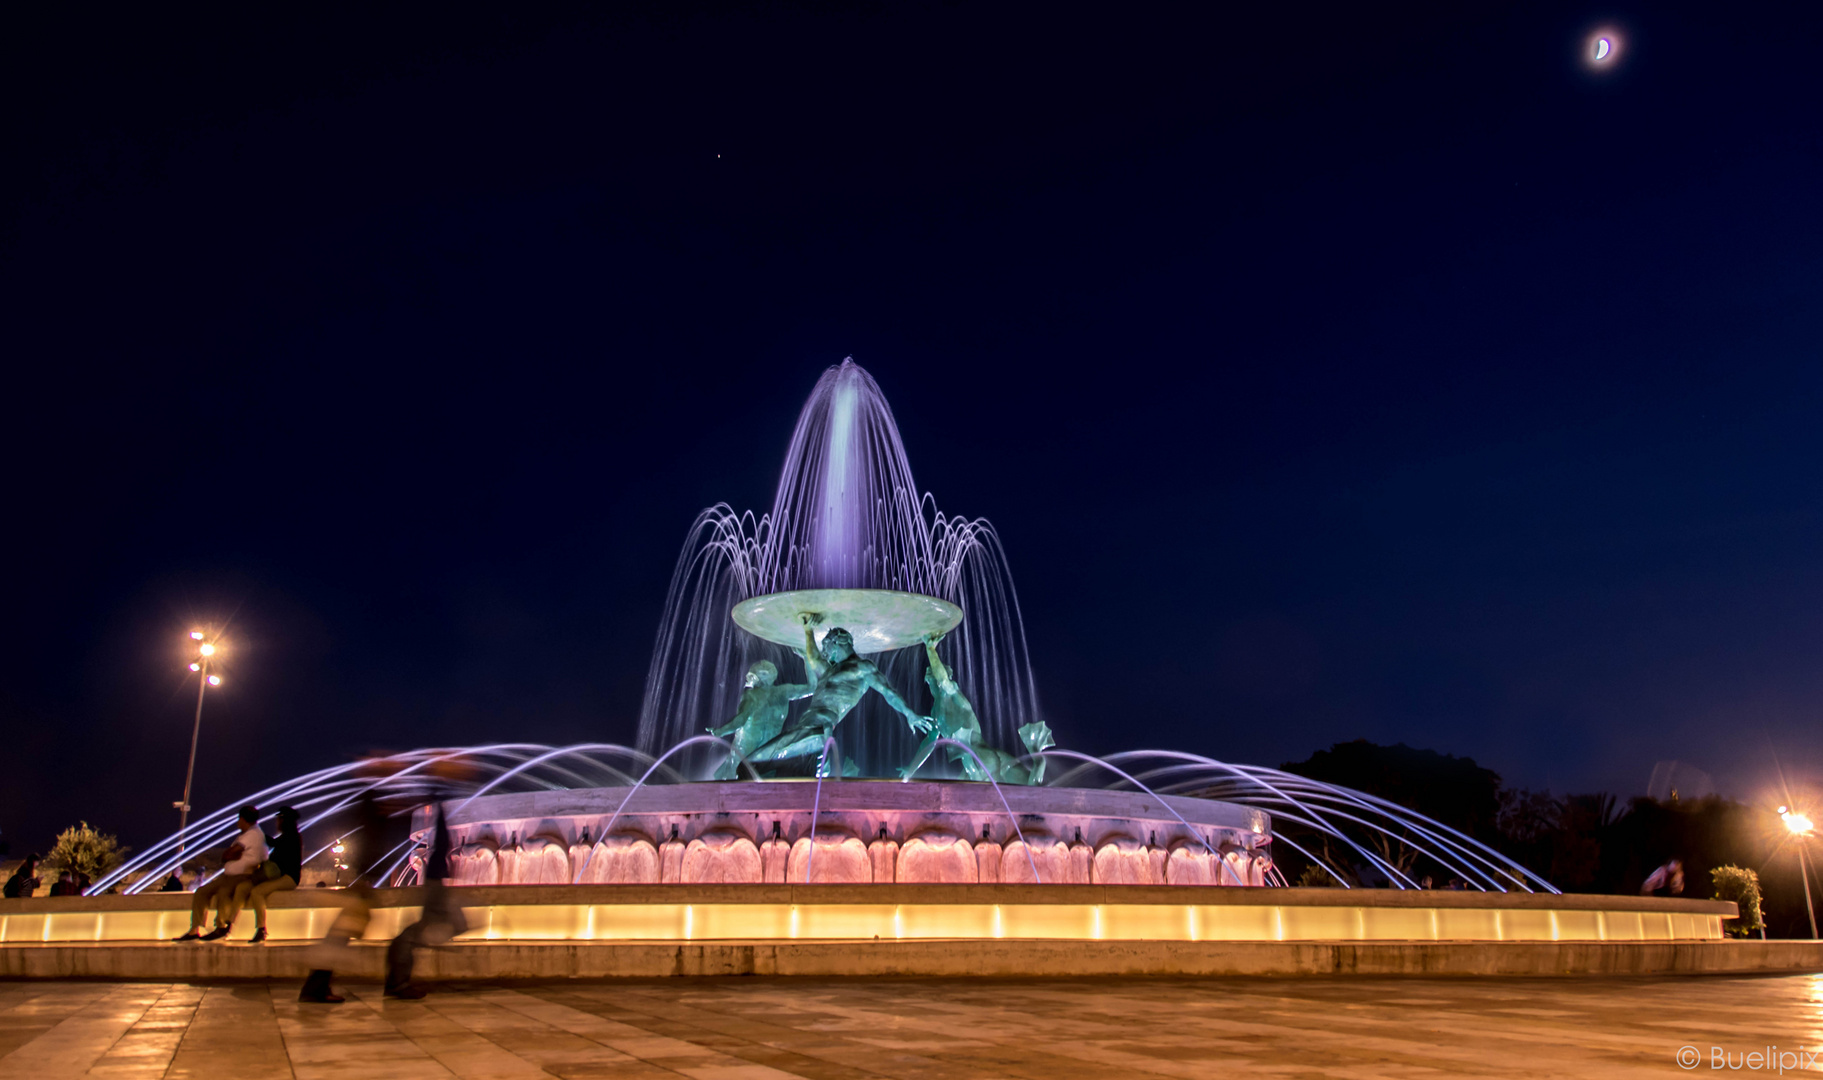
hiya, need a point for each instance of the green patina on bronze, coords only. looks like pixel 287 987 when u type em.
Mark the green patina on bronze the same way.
pixel 859 621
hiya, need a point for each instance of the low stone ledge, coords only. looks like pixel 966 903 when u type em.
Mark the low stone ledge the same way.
pixel 929 958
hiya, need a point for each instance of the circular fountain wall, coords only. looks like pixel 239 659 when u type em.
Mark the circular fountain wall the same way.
pixel 866 831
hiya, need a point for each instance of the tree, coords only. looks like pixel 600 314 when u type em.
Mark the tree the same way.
pixel 1743 887
pixel 1442 787
pixel 85 852
pixel 1450 790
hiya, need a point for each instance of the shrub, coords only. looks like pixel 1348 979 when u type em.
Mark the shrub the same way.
pixel 1743 887
pixel 1315 877
pixel 83 851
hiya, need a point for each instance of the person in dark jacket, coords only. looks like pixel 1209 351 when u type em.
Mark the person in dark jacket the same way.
pixel 283 870
pixel 442 918
pixel 357 907
pixel 24 881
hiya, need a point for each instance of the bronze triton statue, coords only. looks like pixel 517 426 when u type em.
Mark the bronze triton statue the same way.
pixel 839 678
pixel 760 716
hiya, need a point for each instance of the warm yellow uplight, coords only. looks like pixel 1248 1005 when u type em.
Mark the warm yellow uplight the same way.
pixel 196 635
pixel 1799 824
pixel 208 649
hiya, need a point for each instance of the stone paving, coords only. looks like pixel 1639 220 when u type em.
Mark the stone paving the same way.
pixel 748 1029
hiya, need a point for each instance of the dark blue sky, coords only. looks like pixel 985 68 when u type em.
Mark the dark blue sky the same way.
pixel 1328 374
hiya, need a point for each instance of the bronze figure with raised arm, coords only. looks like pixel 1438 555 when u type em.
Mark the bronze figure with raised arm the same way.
pixel 839 679
pixel 953 717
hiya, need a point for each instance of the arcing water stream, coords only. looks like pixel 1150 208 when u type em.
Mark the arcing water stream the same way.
pixel 847 514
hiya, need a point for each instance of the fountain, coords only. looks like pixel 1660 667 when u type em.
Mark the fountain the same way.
pixel 847 515
pixel 782 738
pixel 840 743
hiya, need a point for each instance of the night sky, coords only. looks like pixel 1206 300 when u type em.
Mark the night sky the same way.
pixel 1327 373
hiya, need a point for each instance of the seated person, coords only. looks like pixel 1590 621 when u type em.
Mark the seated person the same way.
pixel 24 881
pixel 243 857
pixel 279 873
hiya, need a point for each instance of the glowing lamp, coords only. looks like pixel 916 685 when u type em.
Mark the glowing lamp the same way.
pixel 196 667
pixel 1799 824
pixel 208 649
pixel 215 680
pixel 196 635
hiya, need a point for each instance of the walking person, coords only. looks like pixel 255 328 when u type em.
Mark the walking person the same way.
pixel 279 873
pixel 441 919
pixel 357 908
pixel 1669 877
pixel 243 856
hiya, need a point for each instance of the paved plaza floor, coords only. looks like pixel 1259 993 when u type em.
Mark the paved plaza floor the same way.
pixel 736 1029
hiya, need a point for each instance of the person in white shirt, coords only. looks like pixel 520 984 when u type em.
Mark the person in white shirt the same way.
pixel 242 858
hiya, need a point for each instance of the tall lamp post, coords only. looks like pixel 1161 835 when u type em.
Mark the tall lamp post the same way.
pixel 205 656
pixel 1802 829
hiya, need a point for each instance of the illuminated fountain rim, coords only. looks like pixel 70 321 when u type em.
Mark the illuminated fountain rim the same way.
pixel 844 811
pixel 880 620
pixel 711 800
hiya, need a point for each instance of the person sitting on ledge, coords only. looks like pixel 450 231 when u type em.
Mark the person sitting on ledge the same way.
pixel 24 881
pixel 280 873
pixel 238 863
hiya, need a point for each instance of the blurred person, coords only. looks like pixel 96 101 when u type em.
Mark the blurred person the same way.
pixel 441 920
pixel 1669 877
pixel 357 905
pixel 279 873
pixel 65 885
pixel 174 883
pixel 24 881
pixel 242 858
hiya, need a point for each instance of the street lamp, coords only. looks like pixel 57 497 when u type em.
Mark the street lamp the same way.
pixel 1802 829
pixel 205 655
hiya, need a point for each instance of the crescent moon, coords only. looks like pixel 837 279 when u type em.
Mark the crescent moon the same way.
pixel 1602 48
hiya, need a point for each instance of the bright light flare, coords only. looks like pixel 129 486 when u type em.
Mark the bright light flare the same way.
pixel 196 635
pixel 1798 824
pixel 196 667
pixel 207 649
pixel 215 680
pixel 1602 49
